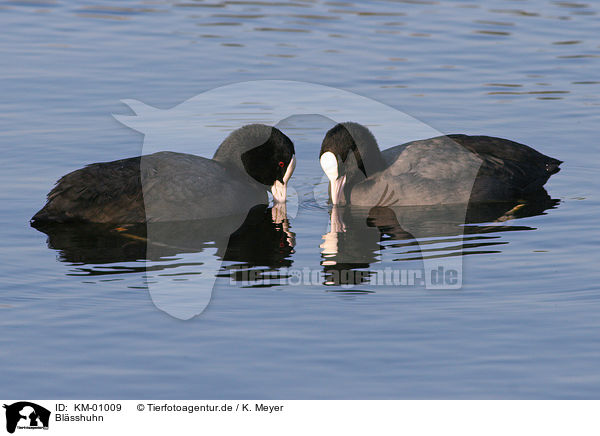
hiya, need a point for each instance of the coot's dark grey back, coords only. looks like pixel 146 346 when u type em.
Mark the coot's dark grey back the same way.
pixel 431 171
pixel 164 186
pixel 179 186
pixel 456 169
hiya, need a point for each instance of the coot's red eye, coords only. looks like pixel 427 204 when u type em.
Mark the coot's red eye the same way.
pixel 281 164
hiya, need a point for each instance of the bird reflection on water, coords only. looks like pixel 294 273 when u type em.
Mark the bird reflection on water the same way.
pixel 261 239
pixel 359 235
pixel 263 242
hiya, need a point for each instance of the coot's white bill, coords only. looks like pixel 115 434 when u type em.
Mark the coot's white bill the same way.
pixel 330 166
pixel 279 189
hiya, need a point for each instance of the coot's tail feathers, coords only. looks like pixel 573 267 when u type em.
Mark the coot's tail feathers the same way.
pixel 507 151
pixel 509 169
pixel 553 166
pixel 100 192
pixel 52 212
pixel 43 216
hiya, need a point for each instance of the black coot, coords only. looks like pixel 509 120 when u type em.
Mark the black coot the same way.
pixel 169 186
pixel 442 170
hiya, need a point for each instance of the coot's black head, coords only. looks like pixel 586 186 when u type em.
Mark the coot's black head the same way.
pixel 264 153
pixel 349 154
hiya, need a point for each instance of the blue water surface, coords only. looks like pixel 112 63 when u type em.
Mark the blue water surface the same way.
pixel 525 324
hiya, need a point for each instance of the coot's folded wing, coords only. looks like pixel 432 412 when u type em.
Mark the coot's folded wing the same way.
pixel 179 186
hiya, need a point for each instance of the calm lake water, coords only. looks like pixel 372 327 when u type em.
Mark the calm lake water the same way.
pixel 76 314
